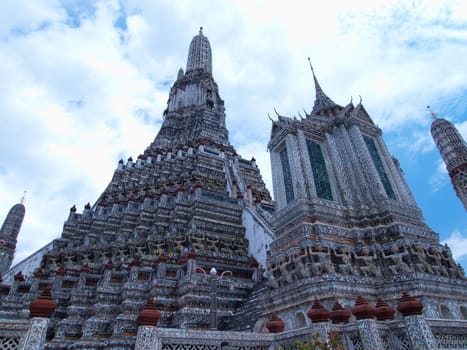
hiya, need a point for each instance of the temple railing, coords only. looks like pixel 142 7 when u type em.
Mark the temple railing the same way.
pixel 181 339
pixel 11 332
pixel 448 334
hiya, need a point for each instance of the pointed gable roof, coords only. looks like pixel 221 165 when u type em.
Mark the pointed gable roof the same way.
pixel 360 113
pixel 322 101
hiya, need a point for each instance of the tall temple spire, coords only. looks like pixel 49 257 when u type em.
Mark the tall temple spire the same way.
pixel 195 109
pixel 199 55
pixel 9 234
pixel 453 150
pixel 322 102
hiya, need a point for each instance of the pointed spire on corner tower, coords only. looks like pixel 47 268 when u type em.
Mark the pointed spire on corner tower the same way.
pixel 23 198
pixel 9 235
pixel 433 114
pixel 453 149
pixel 323 104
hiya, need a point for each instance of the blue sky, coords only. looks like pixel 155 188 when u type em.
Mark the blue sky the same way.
pixel 84 83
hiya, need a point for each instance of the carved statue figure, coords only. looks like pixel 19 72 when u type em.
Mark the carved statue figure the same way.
pixel 301 269
pixel 449 266
pixel 396 261
pixel 345 266
pixel 86 259
pixel 437 259
pixel 69 260
pixel 286 276
pixel 151 247
pixel 421 259
pixel 368 264
pixel 269 274
pixel 257 274
pixel 140 250
pixel 446 256
pixel 121 253
pixel 321 260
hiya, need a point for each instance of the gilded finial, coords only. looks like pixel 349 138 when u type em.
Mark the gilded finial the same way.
pixel 23 198
pixel 433 114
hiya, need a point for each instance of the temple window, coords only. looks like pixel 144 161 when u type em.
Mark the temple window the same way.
pixel 464 312
pixel 320 173
pixel 300 320
pixel 289 193
pixel 445 312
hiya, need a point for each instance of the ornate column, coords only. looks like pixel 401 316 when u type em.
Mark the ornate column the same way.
pixel 309 181
pixel 40 311
pixel 344 179
pixel 146 338
pixel 295 164
pixel 418 330
pixel 319 317
pixel 365 315
pixel 366 163
pixel 348 155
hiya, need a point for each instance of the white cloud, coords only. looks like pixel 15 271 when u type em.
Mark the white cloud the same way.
pixel 440 178
pixel 458 244
pixel 462 127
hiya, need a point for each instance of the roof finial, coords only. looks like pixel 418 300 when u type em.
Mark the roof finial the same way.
pixel 433 114
pixel 200 30
pixel 23 198
pixel 309 61
pixel 323 103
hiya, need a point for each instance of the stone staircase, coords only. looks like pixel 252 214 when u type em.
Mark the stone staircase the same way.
pixel 246 316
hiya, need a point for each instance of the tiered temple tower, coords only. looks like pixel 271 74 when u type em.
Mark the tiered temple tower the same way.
pixel 9 234
pixel 453 149
pixel 346 222
pixel 189 203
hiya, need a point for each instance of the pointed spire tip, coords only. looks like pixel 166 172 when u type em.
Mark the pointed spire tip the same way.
pixel 23 198
pixel 311 66
pixel 433 114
